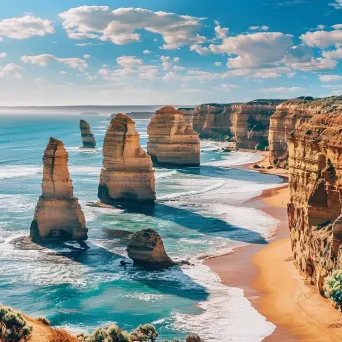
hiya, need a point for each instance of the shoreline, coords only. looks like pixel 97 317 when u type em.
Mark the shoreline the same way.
pixel 270 280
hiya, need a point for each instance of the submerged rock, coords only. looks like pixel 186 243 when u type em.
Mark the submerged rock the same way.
pixel 171 140
pixel 127 172
pixel 88 139
pixel 58 215
pixel 146 249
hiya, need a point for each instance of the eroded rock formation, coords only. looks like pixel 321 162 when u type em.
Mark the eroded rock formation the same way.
pixel 58 214
pixel 171 140
pixel 127 172
pixel 245 123
pixel 88 139
pixel 315 169
pixel 146 249
pixel 188 114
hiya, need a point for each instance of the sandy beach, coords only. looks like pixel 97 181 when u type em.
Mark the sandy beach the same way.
pixel 271 281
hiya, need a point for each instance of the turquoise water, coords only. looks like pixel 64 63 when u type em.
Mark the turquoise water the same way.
pixel 198 212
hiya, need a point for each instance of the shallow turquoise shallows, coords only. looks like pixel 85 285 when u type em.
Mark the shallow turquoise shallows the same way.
pixel 198 212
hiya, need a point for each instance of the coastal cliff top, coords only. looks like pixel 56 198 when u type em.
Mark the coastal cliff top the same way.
pixel 120 122
pixel 168 110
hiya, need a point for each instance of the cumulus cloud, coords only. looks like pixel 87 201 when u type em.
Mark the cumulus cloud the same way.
pixel 337 27
pixel 201 50
pixel 259 28
pixel 44 60
pixel 129 61
pixel 3 54
pixel 120 26
pixel 146 52
pixel 336 4
pixel 221 32
pixel 86 56
pixel 334 54
pixel 217 64
pixel 323 39
pixel 10 69
pixel 282 90
pixel 330 78
pixel 170 76
pixel 226 87
pixel 25 27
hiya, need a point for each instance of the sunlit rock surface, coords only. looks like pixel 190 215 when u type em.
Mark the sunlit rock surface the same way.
pixel 88 139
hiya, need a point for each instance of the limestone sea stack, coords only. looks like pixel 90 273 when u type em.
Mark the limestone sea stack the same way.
pixel 88 139
pixel 188 114
pixel 315 169
pixel 146 249
pixel 127 172
pixel 171 140
pixel 58 215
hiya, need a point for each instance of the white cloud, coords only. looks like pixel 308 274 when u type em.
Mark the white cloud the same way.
pixel 282 90
pixel 227 87
pixel 259 28
pixel 44 60
pixel 86 56
pixel 337 27
pixel 63 73
pixel 85 44
pixel 3 54
pixel 221 32
pixel 254 49
pixel 178 68
pixel 334 54
pixel 323 39
pixel 129 61
pixel 201 50
pixel 25 27
pixel 120 26
pixel 176 59
pixel 170 76
pixel 166 62
pixel 330 78
pixel 314 64
pixel 336 4
pixel 320 27
pixel 146 52
pixel 10 69
pixel 217 64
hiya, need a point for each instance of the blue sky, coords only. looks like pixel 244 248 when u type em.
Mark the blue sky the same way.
pixel 168 51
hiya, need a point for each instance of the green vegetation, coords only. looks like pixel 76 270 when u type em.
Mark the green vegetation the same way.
pixel 44 320
pixel 333 287
pixel 13 326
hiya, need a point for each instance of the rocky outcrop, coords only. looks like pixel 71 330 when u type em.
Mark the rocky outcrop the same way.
pixel 88 139
pixel 188 114
pixel 58 214
pixel 288 116
pixel 127 172
pixel 171 140
pixel 245 123
pixel 146 249
pixel 315 169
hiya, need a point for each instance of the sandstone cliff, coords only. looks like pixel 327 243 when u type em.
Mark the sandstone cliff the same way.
pixel 88 139
pixel 315 169
pixel 171 140
pixel 288 116
pixel 245 123
pixel 127 172
pixel 58 214
pixel 146 248
pixel 188 114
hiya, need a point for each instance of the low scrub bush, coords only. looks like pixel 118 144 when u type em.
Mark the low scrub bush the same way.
pixel 333 287
pixel 44 320
pixel 13 326
pixel 143 333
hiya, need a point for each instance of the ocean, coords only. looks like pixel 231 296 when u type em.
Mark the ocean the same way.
pixel 199 212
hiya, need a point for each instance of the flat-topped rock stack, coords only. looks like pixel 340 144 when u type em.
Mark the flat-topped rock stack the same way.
pixel 315 169
pixel 290 115
pixel 58 215
pixel 88 138
pixel 127 172
pixel 171 140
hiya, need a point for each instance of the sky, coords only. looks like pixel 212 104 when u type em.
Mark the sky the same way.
pixel 185 52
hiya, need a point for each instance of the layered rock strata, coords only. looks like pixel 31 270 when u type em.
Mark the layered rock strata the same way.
pixel 146 249
pixel 315 169
pixel 58 214
pixel 288 116
pixel 246 124
pixel 188 114
pixel 171 140
pixel 88 139
pixel 127 172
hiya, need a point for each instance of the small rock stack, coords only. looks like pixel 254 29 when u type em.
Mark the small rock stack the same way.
pixel 88 139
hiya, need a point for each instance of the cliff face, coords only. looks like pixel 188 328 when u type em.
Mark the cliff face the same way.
pixel 171 140
pixel 246 123
pixel 58 214
pixel 188 114
pixel 88 139
pixel 290 115
pixel 315 169
pixel 127 172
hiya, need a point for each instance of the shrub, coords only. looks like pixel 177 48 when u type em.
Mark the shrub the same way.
pixel 13 327
pixel 146 332
pixel 118 335
pixel 44 320
pixel 333 287
pixel 193 338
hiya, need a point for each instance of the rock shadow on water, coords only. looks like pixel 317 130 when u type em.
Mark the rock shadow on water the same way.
pixel 184 217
